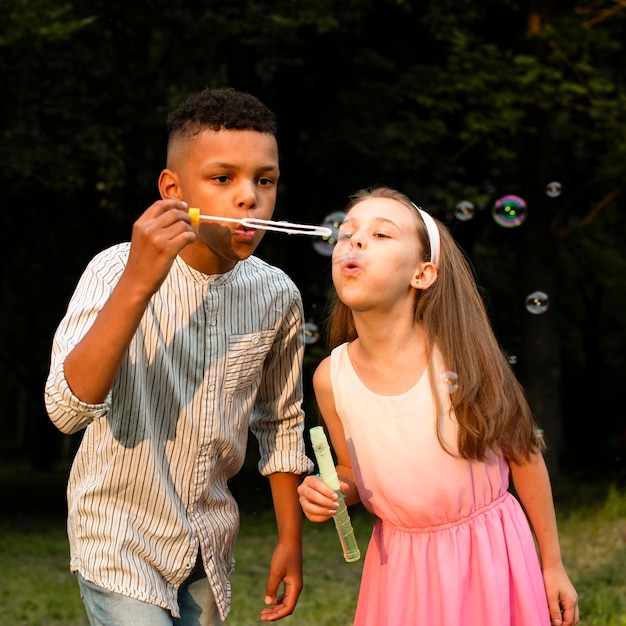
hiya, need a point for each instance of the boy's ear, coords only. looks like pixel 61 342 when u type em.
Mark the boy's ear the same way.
pixel 425 276
pixel 169 185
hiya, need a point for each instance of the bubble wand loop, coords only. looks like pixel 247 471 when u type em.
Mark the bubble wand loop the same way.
pixel 328 473
pixel 251 222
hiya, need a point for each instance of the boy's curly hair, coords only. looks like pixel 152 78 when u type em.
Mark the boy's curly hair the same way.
pixel 218 109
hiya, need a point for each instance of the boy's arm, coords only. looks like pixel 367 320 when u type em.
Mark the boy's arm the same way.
pixel 532 484
pixel 286 563
pixel 158 236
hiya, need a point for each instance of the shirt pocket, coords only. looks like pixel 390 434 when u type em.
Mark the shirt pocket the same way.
pixel 246 355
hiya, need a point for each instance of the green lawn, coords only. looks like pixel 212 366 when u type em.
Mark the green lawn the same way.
pixel 36 588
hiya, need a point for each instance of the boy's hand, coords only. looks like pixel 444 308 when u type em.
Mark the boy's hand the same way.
pixel 286 568
pixel 159 234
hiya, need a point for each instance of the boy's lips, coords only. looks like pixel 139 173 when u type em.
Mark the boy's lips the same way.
pixel 244 235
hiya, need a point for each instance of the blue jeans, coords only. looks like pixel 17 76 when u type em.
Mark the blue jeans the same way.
pixel 195 599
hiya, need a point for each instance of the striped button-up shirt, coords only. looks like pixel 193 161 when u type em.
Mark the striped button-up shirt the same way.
pixel 213 355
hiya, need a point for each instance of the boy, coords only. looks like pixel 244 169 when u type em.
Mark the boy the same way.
pixel 172 345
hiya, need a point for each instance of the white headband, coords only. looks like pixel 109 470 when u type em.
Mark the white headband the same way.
pixel 433 235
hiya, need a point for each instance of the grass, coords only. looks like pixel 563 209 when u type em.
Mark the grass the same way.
pixel 593 542
pixel 36 588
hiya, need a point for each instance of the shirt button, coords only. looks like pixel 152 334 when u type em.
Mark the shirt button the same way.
pixel 211 387
pixel 255 340
pixel 213 322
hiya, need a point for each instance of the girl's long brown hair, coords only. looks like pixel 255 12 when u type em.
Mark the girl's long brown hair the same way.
pixel 490 405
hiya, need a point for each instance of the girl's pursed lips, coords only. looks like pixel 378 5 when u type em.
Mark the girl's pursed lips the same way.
pixel 351 260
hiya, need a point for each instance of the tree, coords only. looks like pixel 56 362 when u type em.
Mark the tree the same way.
pixel 449 100
pixel 448 107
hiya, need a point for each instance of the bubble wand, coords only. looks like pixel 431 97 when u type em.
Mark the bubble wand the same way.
pixel 328 473
pixel 252 222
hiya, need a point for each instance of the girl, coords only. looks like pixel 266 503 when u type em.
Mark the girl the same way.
pixel 427 420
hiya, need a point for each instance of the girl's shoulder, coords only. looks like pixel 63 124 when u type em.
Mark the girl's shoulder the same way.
pixel 322 371
pixel 323 374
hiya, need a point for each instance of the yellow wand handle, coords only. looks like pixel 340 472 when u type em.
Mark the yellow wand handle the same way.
pixel 194 214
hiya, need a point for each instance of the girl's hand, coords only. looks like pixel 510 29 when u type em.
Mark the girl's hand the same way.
pixel 318 501
pixel 562 597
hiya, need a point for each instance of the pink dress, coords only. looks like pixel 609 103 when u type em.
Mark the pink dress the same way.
pixel 450 546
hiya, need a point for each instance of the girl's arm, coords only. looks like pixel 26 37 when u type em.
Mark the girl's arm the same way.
pixel 532 484
pixel 318 501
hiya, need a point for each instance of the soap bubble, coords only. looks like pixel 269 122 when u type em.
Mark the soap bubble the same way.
pixel 512 359
pixel 450 381
pixel 553 189
pixel 311 333
pixel 537 302
pixel 509 211
pixel 464 211
pixel 325 245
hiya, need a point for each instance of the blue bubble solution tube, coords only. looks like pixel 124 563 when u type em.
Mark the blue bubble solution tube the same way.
pixel 328 473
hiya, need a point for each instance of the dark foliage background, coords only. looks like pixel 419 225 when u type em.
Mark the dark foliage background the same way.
pixel 448 100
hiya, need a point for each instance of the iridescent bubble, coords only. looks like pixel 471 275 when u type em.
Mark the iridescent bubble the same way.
pixel 325 245
pixel 311 333
pixel 464 211
pixel 553 189
pixel 537 302
pixel 512 359
pixel 450 381
pixel 509 211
